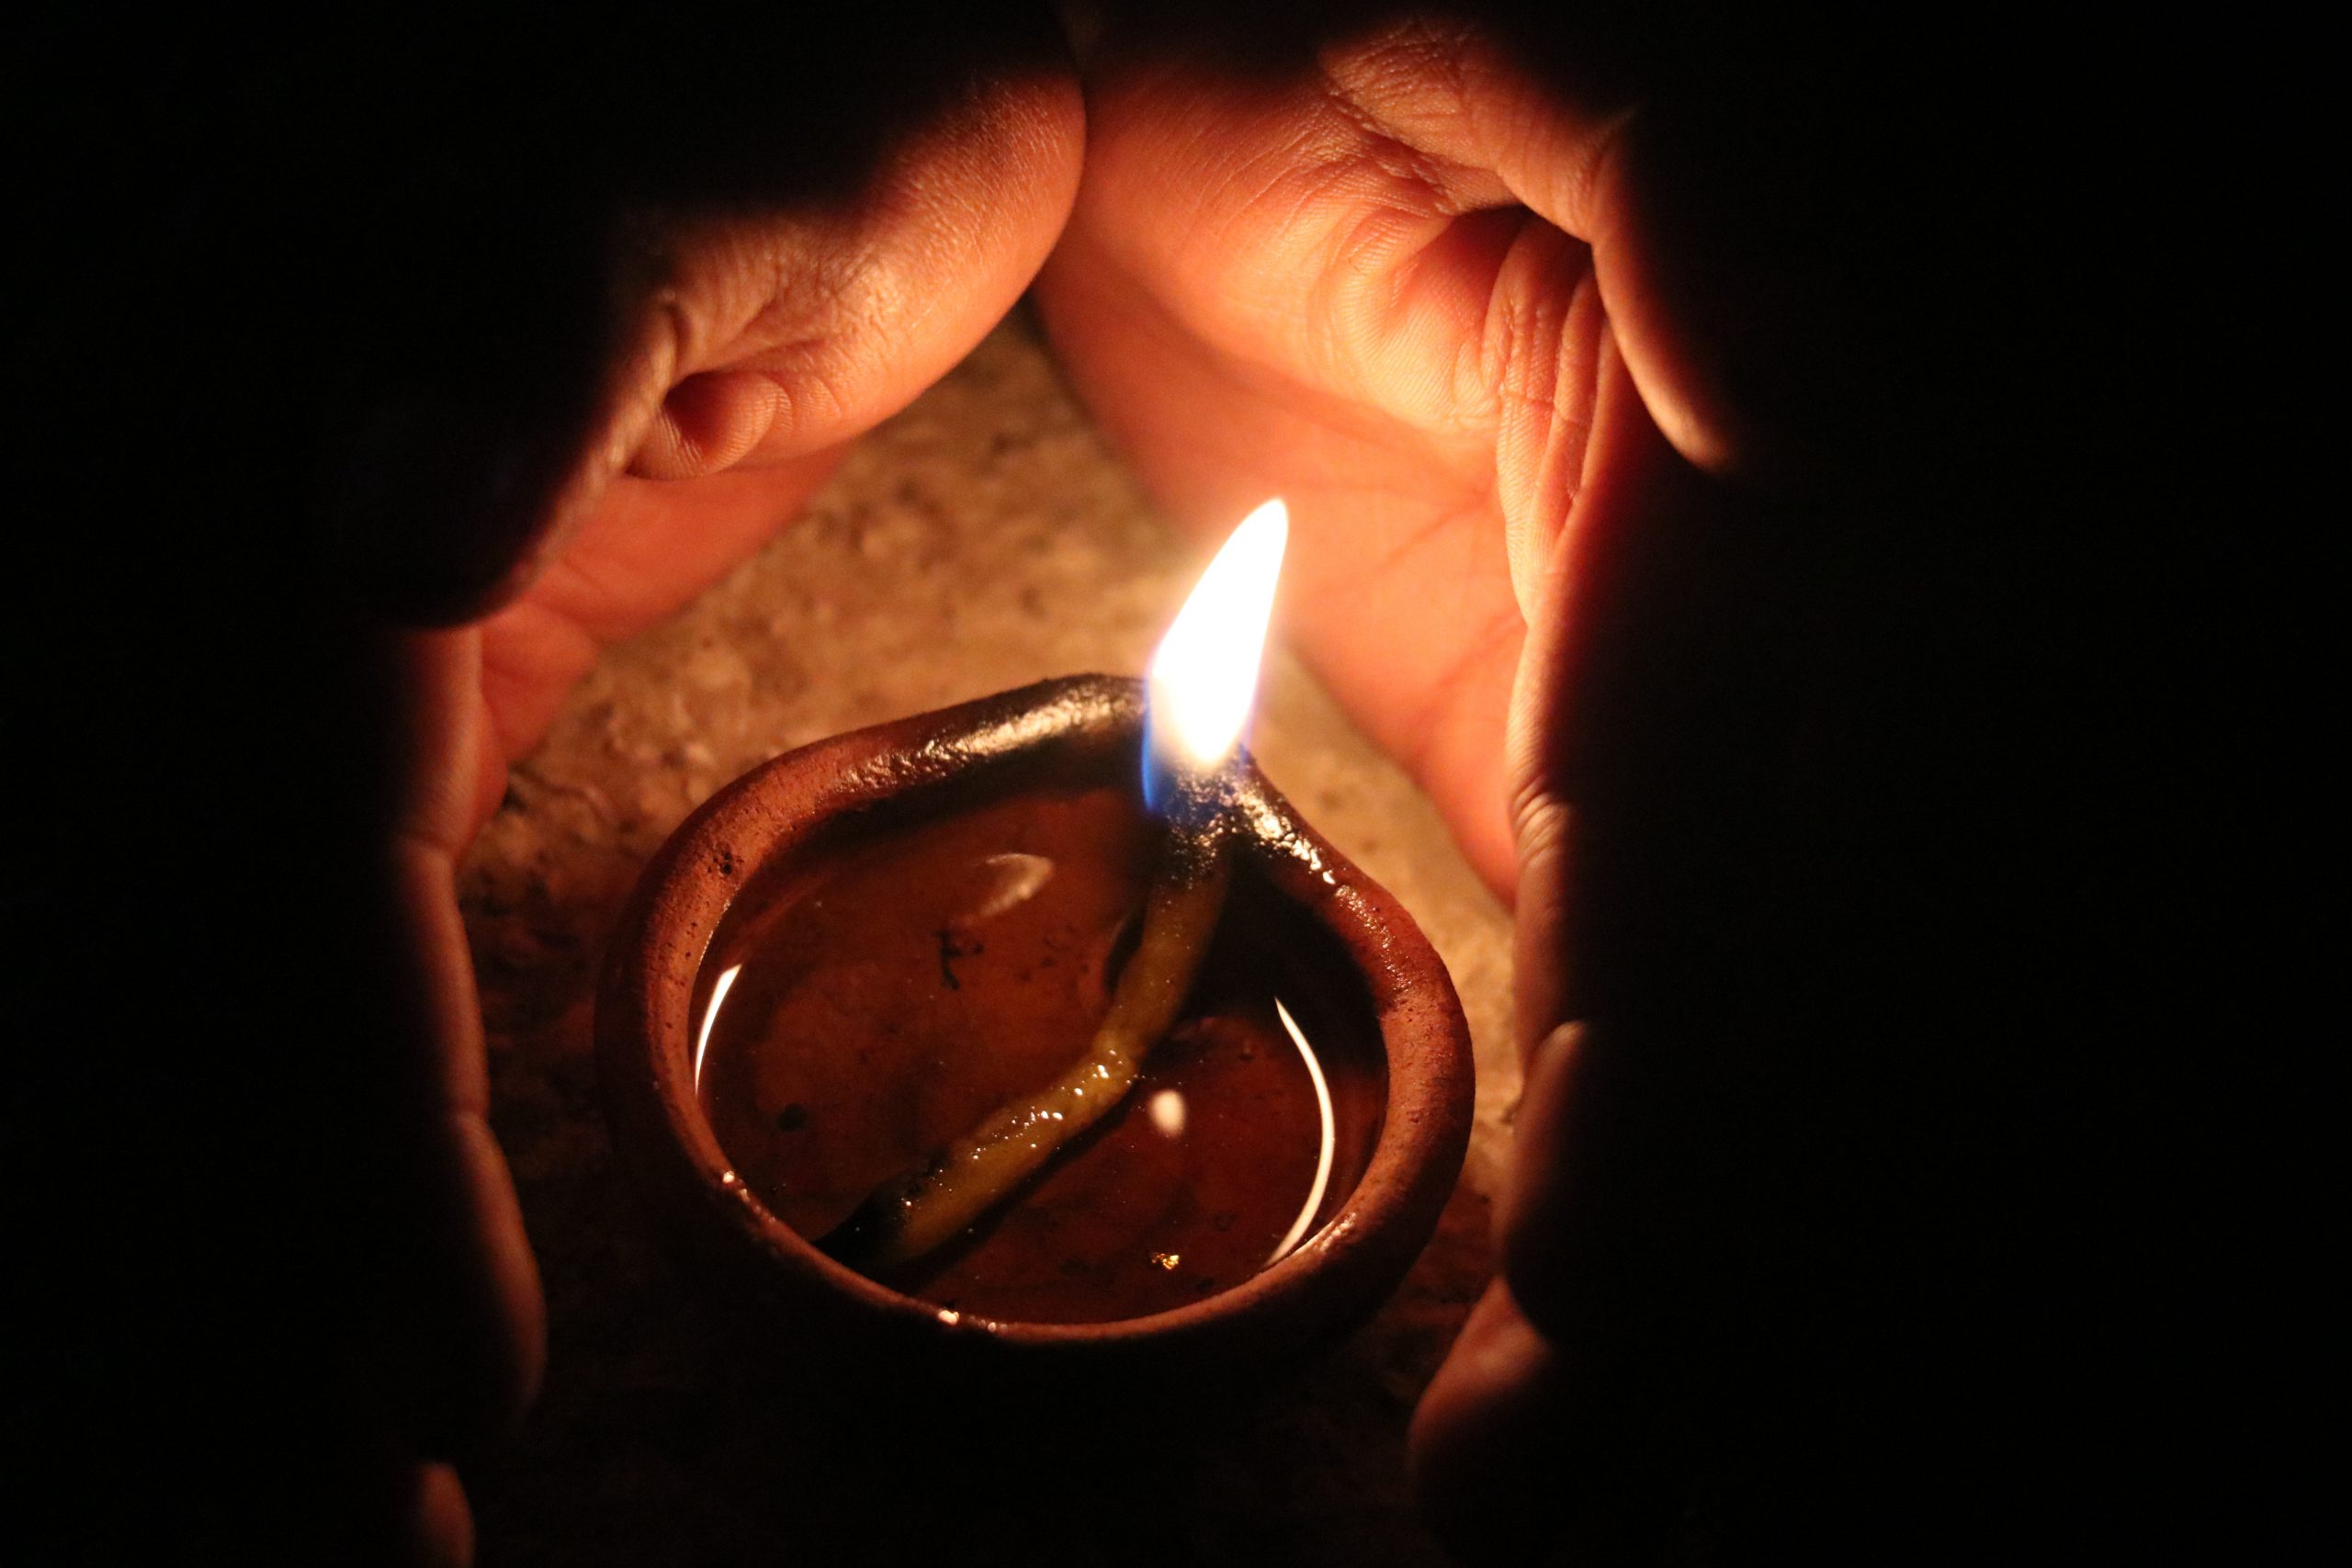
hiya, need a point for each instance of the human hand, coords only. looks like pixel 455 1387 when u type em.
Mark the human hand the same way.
pixel 1298 269
pixel 1388 271
pixel 730 343
pixel 1549 335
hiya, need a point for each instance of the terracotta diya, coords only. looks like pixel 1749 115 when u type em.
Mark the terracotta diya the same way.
pixel 938 1040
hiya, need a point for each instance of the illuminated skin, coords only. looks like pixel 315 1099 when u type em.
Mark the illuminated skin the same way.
pixel 743 387
pixel 730 453
pixel 1405 287
pixel 1406 284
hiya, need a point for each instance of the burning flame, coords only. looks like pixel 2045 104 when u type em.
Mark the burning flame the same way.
pixel 1205 677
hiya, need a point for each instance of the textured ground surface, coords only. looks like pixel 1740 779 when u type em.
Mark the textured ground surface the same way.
pixel 981 540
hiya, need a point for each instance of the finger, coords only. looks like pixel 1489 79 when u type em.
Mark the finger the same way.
pixel 452 1295
pixel 774 374
pixel 1686 169
pixel 1563 1410
pixel 375 1504
pixel 783 337
pixel 1629 817
pixel 1520 1451
pixel 652 548
pixel 1397 589
pixel 1558 719
pixel 770 273
pixel 1251 304
pixel 1483 1470
pixel 443 1528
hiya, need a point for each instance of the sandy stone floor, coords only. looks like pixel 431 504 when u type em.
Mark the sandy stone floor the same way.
pixel 983 539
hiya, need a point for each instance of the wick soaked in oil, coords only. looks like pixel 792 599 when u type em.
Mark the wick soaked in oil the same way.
pixel 856 1024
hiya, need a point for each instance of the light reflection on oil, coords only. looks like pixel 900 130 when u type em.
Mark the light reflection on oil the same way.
pixel 1330 1145
pixel 710 1016
pixel 1016 877
pixel 1166 1110
pixel 1012 879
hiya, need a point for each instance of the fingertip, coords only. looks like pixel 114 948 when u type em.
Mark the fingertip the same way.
pixel 1530 1445
pixel 708 422
pixel 1494 1354
pixel 1482 1473
pixel 1709 298
pixel 441 1530
pixel 1685 378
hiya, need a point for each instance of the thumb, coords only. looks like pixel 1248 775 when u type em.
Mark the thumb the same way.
pixel 712 267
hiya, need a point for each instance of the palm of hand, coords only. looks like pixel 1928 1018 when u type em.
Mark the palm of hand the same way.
pixel 1264 291
pixel 1356 286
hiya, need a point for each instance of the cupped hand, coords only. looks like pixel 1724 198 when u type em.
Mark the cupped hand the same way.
pixel 729 342
pixel 1544 322
pixel 1393 272
pixel 1482 304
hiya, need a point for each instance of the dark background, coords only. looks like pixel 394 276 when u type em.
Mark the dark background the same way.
pixel 2078 248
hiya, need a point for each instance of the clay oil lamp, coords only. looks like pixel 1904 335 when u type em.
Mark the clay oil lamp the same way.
pixel 1038 1033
